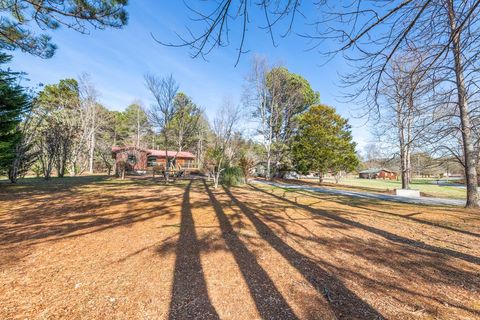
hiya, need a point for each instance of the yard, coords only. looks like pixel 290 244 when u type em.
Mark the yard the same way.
pixel 100 248
pixel 428 186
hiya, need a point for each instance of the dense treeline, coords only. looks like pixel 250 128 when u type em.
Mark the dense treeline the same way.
pixel 63 129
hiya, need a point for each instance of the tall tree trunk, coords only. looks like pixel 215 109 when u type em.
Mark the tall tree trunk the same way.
pixel 91 155
pixel 403 168
pixel 403 140
pixel 408 141
pixel 15 167
pixel 138 127
pixel 409 166
pixel 92 140
pixel 468 150
pixel 63 155
pixel 167 163
pixel 217 171
pixel 269 165
pixel 405 156
pixel 13 171
pixel 200 154
pixel 216 178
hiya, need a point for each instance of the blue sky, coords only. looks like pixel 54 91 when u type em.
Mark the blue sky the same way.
pixel 117 60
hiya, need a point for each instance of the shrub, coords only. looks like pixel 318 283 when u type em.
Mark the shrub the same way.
pixel 233 176
pixel 37 169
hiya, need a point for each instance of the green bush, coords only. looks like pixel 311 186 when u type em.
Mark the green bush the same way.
pixel 37 169
pixel 233 176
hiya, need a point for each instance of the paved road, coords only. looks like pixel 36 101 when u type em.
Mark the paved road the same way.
pixel 368 195
pixel 449 184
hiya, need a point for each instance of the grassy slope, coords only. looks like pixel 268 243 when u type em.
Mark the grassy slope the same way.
pixel 427 186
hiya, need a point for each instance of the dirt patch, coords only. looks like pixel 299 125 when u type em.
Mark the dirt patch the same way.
pixel 136 249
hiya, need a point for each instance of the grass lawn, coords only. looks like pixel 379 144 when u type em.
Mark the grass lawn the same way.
pixel 99 248
pixel 428 187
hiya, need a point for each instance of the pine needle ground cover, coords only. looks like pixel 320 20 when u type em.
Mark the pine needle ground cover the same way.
pixel 98 248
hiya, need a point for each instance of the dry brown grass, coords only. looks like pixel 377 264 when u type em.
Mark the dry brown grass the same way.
pixel 95 248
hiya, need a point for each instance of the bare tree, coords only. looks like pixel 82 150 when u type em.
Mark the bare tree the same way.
pixel 65 137
pixel 57 113
pixel 403 116
pixel 89 99
pixel 372 152
pixel 25 153
pixel 228 14
pixel 84 118
pixel 48 144
pixel 161 112
pixel 106 138
pixel 275 96
pixel 256 98
pixel 223 127
pixel 202 138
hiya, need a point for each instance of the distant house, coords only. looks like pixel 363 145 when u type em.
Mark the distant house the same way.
pixel 377 173
pixel 143 160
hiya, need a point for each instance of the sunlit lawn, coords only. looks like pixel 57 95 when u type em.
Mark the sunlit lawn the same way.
pixel 428 186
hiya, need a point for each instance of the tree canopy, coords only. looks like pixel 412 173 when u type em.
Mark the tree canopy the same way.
pixel 290 94
pixel 17 15
pixel 14 103
pixel 64 95
pixel 323 142
pixel 184 123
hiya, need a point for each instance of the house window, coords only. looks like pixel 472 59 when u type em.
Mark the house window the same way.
pixel 132 158
pixel 151 161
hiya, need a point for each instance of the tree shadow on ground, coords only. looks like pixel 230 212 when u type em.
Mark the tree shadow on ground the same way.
pixel 344 303
pixel 53 214
pixel 268 300
pixel 383 233
pixel 411 260
pixel 416 266
pixel 366 205
pixel 189 293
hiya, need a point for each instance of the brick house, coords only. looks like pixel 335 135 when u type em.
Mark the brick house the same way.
pixel 142 160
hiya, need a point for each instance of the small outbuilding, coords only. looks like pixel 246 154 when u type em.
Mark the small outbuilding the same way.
pixel 378 173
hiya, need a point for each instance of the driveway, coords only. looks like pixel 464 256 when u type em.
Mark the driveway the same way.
pixel 368 195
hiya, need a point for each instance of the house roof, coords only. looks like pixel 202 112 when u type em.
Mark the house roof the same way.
pixel 181 154
pixel 376 170
pixel 158 153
